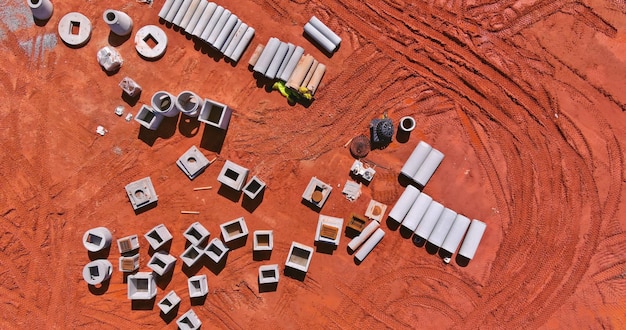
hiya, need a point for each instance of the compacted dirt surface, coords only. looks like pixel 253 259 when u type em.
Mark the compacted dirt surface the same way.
pixel 525 99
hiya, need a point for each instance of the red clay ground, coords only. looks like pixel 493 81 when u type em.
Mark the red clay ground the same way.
pixel 524 98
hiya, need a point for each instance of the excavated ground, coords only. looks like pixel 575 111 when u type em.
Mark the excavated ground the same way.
pixel 525 99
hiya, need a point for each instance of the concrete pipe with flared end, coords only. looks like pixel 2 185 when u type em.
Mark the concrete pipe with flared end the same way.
pixel 243 44
pixel 302 68
pixel 291 65
pixel 404 203
pixel 277 61
pixel 369 245
pixel 188 103
pixel 416 159
pixel 119 22
pixel 181 12
pixel 195 18
pixel 163 104
pixel 215 17
pixel 171 13
pixel 204 19
pixel 316 78
pixel 319 38
pixel 41 9
pixel 166 8
pixel 264 61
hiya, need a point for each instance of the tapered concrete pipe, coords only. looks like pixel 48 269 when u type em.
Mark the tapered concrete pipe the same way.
pixel 266 57
pixel 302 68
pixel 181 12
pixel 404 203
pixel 369 245
pixel 291 65
pixel 119 22
pixel 195 18
pixel 243 43
pixel 189 103
pixel 328 33
pixel 204 19
pixel 189 14
pixel 231 36
pixel 290 49
pixel 41 9
pixel 163 104
pixel 225 32
pixel 241 30
pixel 217 13
pixel 173 10
pixel 316 78
pixel 277 60
pixel 319 38
pixel 166 8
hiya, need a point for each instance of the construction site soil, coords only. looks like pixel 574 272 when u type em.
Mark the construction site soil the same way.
pixel 525 99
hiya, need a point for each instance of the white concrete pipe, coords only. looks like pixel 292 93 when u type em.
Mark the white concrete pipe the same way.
pixel 328 33
pixel 472 239
pixel 291 64
pixel 416 159
pixel 189 14
pixel 404 203
pixel 369 245
pixel 226 30
pixel 119 22
pixel 173 10
pixel 163 104
pixel 231 36
pixel 204 19
pixel 219 26
pixel 414 217
pixel 365 234
pixel 41 9
pixel 428 168
pixel 319 38
pixel 217 13
pixel 442 227
pixel 290 49
pixel 167 5
pixel 243 43
pixel 302 68
pixel 189 103
pixel 97 271
pixel 181 12
pixel 407 124
pixel 316 78
pixel 456 233
pixel 266 57
pixel 195 18
pixel 277 60
pixel 309 73
pixel 425 227
pixel 97 239
pixel 236 38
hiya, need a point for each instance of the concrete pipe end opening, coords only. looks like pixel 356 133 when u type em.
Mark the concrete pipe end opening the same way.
pixel 110 16
pixel 407 124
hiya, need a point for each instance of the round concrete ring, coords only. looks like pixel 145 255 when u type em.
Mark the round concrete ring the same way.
pixel 67 24
pixel 157 35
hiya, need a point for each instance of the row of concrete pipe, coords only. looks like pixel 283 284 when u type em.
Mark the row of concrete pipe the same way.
pixel 214 24
pixel 287 62
pixel 430 221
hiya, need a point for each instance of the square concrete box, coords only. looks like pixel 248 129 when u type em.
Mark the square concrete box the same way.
pixel 158 237
pixel 355 225
pixel 191 255
pixel 141 193
pixel 189 321
pixel 169 302
pixel 216 250
pixel 317 192
pixel 233 175
pixel 141 286
pixel 192 162
pixel 196 234
pixel 263 240
pixel 198 286
pixel 162 263
pixel 234 230
pixel 375 210
pixel 268 274
pixel 254 187
pixel 215 114
pixel 299 257
pixel 147 118
pixel 129 264
pixel 128 243
pixel 328 229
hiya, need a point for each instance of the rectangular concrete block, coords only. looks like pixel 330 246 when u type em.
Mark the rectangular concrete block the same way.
pixel 198 286
pixel 158 236
pixel 141 286
pixel 196 234
pixel 128 243
pixel 169 302
pixel 233 175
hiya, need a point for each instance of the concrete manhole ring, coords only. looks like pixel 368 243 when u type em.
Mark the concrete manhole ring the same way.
pixel 75 29
pixel 151 42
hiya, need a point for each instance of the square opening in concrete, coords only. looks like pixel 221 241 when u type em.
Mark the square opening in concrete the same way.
pixel 263 240
pixel 74 28
pixel 198 286
pixel 158 262
pixel 299 256
pixel 215 114
pixel 150 40
pixel 168 302
pixel 191 255
pixel 94 239
pixel 141 286
pixel 234 230
pixel 269 274
pixel 145 116
pixel 189 321
pixel 94 272
pixel 196 234
pixel 216 250
pixel 231 174
pixel 254 187
pixel 155 236
pixel 161 263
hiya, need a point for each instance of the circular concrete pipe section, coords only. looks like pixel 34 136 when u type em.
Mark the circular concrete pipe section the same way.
pixel 188 103
pixel 163 104
pixel 97 271
pixel 97 239
pixel 407 124
pixel 150 42
pixel 41 9
pixel 119 22
pixel 75 29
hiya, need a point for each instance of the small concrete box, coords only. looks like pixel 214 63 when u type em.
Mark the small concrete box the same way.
pixel 254 187
pixel 233 175
pixel 129 264
pixel 128 243
pixel 169 302
pixel 192 162
pixel 162 263
pixel 299 257
pixel 189 321
pixel 234 230
pixel 317 192
pixel 196 234
pixel 148 118
pixel 141 193
pixel 191 255
pixel 216 250
pixel 375 210
pixel 97 239
pixel 198 286
pixel 328 229
pixel 215 114
pixel 158 237
pixel 263 240
pixel 141 286
pixel 268 274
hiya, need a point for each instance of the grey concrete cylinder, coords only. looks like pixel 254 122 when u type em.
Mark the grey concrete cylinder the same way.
pixel 231 36
pixel 119 22
pixel 41 9
pixel 319 38
pixel 291 65
pixel 219 26
pixel 189 14
pixel 290 49
pixel 207 13
pixel 189 103
pixel 181 12
pixel 215 16
pixel 173 10
pixel 196 16
pixel 277 61
pixel 407 124
pixel 97 271
pixel 226 30
pixel 236 38
pixel 97 239
pixel 264 61
pixel 243 43
pixel 328 33
pixel 163 104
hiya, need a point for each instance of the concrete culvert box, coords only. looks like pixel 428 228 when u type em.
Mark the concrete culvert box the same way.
pixel 141 286
pixel 169 302
pixel 198 286
pixel 254 187
pixel 161 263
pixel 215 114
pixel 196 234
pixel 216 250
pixel 189 321
pixel 158 236
pixel 148 118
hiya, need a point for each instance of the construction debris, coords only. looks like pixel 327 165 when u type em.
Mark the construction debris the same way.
pixel 100 130
pixel 352 190
pixel 109 58
pixel 202 188
pixel 189 212
pixel 119 110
